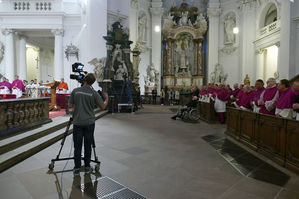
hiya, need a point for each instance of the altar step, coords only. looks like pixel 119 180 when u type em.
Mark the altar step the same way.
pixel 20 147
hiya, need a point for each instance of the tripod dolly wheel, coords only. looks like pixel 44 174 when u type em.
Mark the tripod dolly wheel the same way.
pixel 51 166
pixel 97 168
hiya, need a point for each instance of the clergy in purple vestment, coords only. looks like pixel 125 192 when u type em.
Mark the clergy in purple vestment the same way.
pixel 235 92
pixel 18 84
pixel 269 97
pixel 246 98
pixel 5 83
pixel 287 98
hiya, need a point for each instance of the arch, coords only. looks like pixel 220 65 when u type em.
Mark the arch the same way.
pixel 270 6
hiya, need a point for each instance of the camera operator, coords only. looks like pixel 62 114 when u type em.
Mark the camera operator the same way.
pixel 84 100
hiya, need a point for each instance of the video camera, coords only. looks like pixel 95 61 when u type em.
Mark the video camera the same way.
pixel 78 68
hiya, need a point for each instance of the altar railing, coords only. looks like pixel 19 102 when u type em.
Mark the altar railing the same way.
pixel 19 114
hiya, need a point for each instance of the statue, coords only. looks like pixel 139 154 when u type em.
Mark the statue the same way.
pixel 121 72
pixel 229 24
pixel 1 52
pixel 116 55
pixel 168 22
pixel 152 78
pixel 184 19
pixel 247 80
pixel 99 65
pixel 142 28
pixel 218 75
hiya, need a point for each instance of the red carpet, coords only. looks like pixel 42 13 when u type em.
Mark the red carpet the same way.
pixel 54 114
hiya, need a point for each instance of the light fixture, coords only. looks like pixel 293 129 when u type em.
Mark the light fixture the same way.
pixel 236 30
pixel 157 29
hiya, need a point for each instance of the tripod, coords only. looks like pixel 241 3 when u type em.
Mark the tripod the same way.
pixel 66 133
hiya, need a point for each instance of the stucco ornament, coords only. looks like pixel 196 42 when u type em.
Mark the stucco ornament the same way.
pixel 71 50
pixel 1 52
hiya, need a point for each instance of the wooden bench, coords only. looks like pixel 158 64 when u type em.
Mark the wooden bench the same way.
pixel 276 138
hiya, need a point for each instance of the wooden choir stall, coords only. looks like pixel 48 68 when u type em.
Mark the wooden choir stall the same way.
pixel 277 138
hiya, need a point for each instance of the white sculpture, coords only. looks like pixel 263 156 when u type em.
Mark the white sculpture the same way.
pixel 229 24
pixel 116 55
pixel 168 22
pixel 152 78
pixel 121 72
pixel 184 19
pixel 99 65
pixel 142 27
pixel 218 75
pixel 1 52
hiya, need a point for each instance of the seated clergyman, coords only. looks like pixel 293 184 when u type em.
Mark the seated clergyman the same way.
pixel 287 97
pixel 296 105
pixel 268 98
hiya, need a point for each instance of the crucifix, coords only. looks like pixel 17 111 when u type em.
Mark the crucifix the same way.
pixel 37 67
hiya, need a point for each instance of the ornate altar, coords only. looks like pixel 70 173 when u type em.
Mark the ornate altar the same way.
pixel 183 37
pixel 119 77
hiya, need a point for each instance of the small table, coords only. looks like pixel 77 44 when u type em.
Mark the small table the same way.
pixel 8 96
pixel 121 105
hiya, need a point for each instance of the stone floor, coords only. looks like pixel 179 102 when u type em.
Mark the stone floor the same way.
pixel 152 155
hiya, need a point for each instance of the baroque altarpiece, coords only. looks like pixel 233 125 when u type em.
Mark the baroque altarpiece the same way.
pixel 183 33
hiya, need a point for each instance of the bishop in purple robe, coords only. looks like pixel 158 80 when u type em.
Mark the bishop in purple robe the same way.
pixel 287 97
pixel 5 83
pixel 18 84
pixel 236 91
pixel 268 98
pixel 246 98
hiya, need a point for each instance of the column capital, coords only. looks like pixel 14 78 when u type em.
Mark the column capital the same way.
pixel 214 12
pixel 157 11
pixel 57 32
pixel 134 4
pixel 7 31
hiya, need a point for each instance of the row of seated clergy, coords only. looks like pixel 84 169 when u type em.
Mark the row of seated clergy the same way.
pixel 17 87
pixel 273 100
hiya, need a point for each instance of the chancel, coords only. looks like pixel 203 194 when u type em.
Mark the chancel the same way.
pixel 170 99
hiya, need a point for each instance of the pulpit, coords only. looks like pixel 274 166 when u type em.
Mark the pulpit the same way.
pixel 53 105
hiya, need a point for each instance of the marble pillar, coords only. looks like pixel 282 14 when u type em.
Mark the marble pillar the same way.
pixel 22 67
pixel 9 54
pixel 156 13
pixel 199 57
pixel 213 55
pixel 58 54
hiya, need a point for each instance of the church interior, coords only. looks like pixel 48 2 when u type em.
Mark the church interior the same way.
pixel 169 99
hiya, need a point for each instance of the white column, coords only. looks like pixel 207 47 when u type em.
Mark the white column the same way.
pixel 22 59
pixel 284 52
pixel 156 13
pixel 9 54
pixel 260 64
pixel 58 54
pixel 133 21
pixel 213 36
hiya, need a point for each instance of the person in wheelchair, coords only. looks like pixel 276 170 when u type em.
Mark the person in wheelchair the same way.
pixel 190 106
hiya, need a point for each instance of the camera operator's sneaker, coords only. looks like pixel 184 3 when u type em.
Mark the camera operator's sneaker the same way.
pixel 76 172
pixel 87 169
